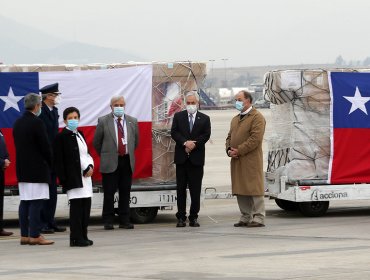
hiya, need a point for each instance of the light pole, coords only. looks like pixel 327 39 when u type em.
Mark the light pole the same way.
pixel 225 69
pixel 212 77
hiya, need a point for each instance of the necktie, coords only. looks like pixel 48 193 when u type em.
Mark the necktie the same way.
pixel 121 136
pixel 191 122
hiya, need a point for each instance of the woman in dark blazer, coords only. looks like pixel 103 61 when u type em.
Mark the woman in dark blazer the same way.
pixel 74 167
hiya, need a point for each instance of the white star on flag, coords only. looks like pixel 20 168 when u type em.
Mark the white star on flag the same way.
pixel 358 102
pixel 11 101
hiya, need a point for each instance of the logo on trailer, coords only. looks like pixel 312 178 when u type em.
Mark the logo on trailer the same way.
pixel 327 196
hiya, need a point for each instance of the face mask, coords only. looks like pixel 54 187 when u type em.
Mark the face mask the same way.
pixel 118 111
pixel 191 109
pixel 72 124
pixel 239 105
pixel 38 113
pixel 57 100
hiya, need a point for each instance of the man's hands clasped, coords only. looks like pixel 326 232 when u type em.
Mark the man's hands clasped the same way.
pixel 189 146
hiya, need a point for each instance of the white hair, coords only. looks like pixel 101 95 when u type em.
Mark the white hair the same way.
pixel 31 100
pixel 115 98
pixel 192 93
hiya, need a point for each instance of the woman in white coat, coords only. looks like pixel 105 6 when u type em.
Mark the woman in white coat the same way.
pixel 74 167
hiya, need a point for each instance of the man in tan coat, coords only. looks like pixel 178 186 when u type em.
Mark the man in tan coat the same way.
pixel 244 146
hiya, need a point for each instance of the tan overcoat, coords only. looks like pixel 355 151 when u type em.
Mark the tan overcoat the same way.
pixel 247 171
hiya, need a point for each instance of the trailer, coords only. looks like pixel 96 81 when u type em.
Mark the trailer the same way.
pixel 310 197
pixel 300 171
pixel 149 193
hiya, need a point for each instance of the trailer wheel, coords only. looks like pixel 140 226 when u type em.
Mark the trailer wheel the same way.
pixel 313 208
pixel 286 204
pixel 143 215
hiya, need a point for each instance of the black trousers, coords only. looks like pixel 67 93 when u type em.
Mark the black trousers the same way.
pixel 79 215
pixel 188 175
pixel 121 180
pixel 50 205
pixel 2 183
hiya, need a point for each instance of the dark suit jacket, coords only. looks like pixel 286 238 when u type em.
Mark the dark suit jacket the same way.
pixel 33 150
pixel 3 151
pixel 180 132
pixel 50 119
pixel 67 159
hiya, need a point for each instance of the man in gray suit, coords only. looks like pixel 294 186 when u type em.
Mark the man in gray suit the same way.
pixel 116 138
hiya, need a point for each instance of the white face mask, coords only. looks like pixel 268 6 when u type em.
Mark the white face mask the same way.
pixel 57 100
pixel 191 108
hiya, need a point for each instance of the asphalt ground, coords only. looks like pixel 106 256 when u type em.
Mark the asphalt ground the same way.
pixel 336 246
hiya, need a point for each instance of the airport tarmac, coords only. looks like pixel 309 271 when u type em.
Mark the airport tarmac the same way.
pixel 336 246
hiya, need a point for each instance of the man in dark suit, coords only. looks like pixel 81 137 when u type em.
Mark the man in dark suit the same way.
pixel 49 115
pixel 116 138
pixel 4 164
pixel 33 163
pixel 191 130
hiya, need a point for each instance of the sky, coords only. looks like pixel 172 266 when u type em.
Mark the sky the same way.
pixel 232 33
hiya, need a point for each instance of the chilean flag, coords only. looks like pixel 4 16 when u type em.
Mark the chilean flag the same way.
pixel 90 91
pixel 350 128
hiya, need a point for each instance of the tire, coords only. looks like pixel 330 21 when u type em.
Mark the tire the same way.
pixel 143 215
pixel 313 208
pixel 286 204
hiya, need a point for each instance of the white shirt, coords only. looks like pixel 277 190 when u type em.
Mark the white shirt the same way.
pixel 194 116
pixel 33 191
pixel 123 123
pixel 86 160
pixel 247 111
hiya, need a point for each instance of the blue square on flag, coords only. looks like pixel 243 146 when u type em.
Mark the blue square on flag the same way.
pixel 13 87
pixel 351 99
pixel 350 128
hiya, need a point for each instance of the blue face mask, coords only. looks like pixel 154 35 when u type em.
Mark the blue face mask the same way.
pixel 72 124
pixel 118 111
pixel 239 105
pixel 38 113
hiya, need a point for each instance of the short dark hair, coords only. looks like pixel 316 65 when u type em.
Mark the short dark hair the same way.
pixel 69 110
pixel 247 95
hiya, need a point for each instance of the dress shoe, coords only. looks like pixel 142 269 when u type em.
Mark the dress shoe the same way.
pixel 40 241
pixel 240 224
pixel 25 240
pixel 194 223
pixel 126 226
pixel 90 242
pixel 79 243
pixel 59 229
pixel 254 224
pixel 108 226
pixel 180 223
pixel 5 233
pixel 47 230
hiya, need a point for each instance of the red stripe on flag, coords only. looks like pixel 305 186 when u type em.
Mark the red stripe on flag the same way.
pixel 143 153
pixel 10 176
pixel 351 156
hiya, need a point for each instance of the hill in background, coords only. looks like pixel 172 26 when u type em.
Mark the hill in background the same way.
pixel 22 44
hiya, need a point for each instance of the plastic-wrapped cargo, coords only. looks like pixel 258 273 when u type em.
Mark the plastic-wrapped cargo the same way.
pixel 171 80
pixel 299 146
